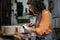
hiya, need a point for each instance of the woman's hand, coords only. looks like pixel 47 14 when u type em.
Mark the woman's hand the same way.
pixel 31 24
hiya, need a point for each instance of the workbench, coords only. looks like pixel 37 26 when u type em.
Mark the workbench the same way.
pixel 18 36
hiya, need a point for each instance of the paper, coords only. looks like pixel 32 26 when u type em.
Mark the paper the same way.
pixel 26 27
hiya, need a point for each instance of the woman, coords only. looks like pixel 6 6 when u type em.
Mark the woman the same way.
pixel 43 22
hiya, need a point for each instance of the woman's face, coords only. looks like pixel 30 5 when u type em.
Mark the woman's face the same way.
pixel 31 8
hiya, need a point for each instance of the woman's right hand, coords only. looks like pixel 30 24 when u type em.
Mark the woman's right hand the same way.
pixel 31 24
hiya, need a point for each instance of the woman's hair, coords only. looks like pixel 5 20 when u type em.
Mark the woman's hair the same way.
pixel 37 4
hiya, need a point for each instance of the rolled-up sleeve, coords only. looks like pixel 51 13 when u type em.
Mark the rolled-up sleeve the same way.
pixel 45 24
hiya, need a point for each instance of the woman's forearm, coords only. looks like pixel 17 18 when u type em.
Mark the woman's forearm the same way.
pixel 33 30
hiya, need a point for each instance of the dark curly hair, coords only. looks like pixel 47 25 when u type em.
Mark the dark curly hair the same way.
pixel 37 4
